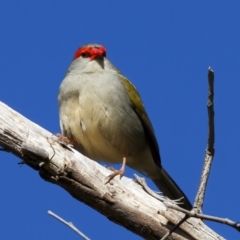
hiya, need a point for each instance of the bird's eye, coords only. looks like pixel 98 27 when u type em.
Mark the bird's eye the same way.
pixel 83 54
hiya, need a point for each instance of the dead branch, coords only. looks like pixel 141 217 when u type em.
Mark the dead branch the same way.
pixel 122 201
pixel 69 224
pixel 199 199
pixel 198 203
pixel 235 225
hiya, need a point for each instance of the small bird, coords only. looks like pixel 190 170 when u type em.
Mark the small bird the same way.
pixel 103 116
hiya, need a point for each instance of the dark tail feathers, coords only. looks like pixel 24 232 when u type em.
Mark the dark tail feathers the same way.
pixel 170 189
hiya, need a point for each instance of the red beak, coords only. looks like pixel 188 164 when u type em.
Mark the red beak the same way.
pixel 98 51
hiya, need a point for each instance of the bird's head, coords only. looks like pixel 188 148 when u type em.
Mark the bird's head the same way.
pixel 89 58
pixel 91 52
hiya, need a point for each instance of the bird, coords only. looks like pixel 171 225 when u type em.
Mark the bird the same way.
pixel 102 115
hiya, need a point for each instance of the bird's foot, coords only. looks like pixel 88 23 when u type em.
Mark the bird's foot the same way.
pixel 119 172
pixel 64 139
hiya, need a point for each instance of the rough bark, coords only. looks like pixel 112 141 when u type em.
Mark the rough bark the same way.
pixel 122 201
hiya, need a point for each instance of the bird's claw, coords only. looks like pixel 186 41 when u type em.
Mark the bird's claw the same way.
pixel 65 140
pixel 119 172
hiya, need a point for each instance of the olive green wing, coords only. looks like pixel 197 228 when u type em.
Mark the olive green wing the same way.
pixel 139 109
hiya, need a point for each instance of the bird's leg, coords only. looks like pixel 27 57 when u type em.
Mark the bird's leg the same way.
pixel 119 172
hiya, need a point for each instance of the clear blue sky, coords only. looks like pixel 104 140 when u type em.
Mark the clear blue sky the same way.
pixel 164 48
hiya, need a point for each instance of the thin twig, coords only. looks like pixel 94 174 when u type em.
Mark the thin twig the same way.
pixel 161 198
pixel 198 203
pixel 175 227
pixel 226 221
pixel 69 224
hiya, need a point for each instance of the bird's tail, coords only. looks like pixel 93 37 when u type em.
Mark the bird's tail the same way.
pixel 170 189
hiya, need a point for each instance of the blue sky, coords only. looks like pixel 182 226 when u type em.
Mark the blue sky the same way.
pixel 164 48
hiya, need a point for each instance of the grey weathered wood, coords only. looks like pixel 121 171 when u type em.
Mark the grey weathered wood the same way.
pixel 122 201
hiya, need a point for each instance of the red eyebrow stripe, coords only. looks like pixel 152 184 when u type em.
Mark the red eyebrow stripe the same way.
pixel 90 51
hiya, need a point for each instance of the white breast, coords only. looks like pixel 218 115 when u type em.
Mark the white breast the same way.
pixel 96 111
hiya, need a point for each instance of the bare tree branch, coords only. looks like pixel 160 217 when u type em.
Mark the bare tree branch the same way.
pixel 122 201
pixel 171 204
pixel 198 203
pixel 174 228
pixel 69 224
pixel 226 221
